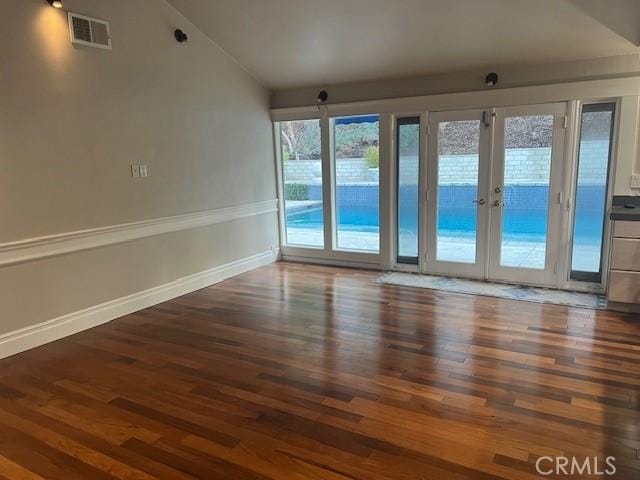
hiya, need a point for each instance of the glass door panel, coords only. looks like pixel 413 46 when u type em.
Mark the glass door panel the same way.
pixel 357 186
pixel 302 175
pixel 458 161
pixel 457 185
pixel 525 193
pixel 526 182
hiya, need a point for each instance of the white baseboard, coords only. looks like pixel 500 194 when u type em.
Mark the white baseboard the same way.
pixel 60 327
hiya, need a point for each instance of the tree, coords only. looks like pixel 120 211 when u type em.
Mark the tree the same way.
pixel 352 140
pixel 301 140
pixel 372 156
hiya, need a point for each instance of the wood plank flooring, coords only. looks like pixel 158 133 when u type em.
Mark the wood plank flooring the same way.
pixel 305 372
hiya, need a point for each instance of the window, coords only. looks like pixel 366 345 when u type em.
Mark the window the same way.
pixel 408 173
pixel 356 163
pixel 302 175
pixel 596 130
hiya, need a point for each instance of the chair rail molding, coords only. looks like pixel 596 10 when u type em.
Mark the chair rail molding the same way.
pixel 51 245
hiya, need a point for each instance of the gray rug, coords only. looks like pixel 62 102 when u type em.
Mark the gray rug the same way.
pixel 500 290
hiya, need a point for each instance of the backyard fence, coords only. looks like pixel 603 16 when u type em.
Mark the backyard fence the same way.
pixel 523 165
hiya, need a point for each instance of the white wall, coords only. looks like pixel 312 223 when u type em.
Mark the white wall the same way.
pixel 73 120
pixel 628 146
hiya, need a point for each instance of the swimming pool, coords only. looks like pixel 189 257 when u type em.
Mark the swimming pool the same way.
pixel 524 223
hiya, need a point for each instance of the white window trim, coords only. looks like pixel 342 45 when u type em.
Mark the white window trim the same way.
pixel 575 93
pixel 570 177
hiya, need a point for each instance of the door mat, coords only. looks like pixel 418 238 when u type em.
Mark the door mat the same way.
pixel 500 290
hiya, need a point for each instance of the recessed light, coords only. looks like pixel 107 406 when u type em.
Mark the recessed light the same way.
pixel 55 3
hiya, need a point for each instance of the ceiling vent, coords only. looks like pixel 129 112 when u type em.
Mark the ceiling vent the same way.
pixel 88 31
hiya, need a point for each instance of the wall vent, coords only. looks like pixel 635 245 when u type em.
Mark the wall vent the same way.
pixel 88 31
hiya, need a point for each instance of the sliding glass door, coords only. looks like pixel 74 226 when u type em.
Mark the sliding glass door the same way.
pixel 330 188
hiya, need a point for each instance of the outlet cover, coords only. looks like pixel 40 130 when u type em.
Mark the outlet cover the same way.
pixel 635 180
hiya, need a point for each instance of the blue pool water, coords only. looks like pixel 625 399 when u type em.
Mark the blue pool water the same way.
pixel 361 219
pixel 525 215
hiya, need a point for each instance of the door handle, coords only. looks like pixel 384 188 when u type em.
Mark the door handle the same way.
pixel 480 201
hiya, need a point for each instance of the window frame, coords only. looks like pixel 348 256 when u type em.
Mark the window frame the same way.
pixel 593 278
pixel 623 91
pixel 399 122
pixel 327 255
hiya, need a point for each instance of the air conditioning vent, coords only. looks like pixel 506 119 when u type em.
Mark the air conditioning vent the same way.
pixel 81 29
pixel 89 31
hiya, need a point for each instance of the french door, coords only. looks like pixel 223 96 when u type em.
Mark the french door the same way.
pixel 457 192
pixel 494 182
pixel 526 193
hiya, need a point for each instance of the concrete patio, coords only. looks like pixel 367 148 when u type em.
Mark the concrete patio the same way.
pixel 528 252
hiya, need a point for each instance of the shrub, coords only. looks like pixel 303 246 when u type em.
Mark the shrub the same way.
pixel 372 156
pixel 296 191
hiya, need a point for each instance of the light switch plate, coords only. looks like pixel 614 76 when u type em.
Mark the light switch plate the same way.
pixel 144 171
pixel 635 180
pixel 135 171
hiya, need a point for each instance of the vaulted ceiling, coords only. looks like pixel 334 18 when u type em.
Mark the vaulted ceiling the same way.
pixel 296 43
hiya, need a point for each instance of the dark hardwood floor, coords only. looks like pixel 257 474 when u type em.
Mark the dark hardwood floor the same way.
pixel 304 372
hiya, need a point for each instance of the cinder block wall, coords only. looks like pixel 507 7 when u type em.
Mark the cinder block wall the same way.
pixel 523 166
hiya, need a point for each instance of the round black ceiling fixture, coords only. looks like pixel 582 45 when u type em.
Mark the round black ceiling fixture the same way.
pixel 323 96
pixel 181 37
pixel 491 79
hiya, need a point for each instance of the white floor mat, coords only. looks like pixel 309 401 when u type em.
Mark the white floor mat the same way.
pixel 501 290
